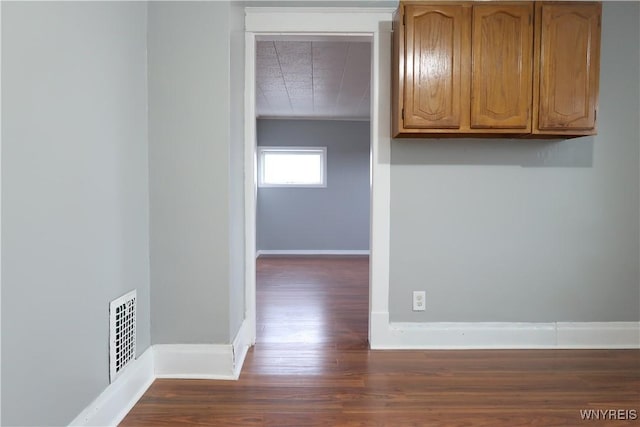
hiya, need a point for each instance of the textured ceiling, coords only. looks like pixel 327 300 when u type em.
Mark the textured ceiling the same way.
pixel 323 79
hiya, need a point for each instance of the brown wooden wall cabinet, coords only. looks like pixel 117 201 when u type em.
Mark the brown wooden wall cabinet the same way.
pixel 511 69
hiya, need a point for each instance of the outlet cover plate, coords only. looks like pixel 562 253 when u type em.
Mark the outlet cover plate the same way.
pixel 419 300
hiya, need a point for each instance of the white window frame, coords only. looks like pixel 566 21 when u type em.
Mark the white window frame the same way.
pixel 262 150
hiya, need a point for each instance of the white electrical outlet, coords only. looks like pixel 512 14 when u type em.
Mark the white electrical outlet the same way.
pixel 419 300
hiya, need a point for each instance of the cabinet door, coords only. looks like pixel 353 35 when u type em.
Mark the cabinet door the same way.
pixel 569 66
pixel 502 52
pixel 433 66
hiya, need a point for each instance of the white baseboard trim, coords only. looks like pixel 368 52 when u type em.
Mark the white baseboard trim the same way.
pixel 115 402
pixel 203 361
pixel 198 361
pixel 267 252
pixel 240 347
pixel 606 335
pixel 502 335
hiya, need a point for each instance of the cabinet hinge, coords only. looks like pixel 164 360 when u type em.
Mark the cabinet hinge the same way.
pixel 403 114
pixel 404 19
pixel 595 115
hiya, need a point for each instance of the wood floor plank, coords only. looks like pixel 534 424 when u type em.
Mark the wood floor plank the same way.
pixel 311 367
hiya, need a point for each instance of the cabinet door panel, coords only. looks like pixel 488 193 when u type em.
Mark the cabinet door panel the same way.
pixel 502 49
pixel 569 66
pixel 433 51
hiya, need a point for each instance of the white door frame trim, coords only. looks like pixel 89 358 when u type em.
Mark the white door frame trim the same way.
pixel 373 22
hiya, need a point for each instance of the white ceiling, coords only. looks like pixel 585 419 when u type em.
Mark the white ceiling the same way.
pixel 313 79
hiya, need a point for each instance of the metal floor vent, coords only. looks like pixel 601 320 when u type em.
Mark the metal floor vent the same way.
pixel 122 333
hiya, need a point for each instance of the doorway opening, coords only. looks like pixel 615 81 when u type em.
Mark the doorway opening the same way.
pixel 374 23
pixel 313 107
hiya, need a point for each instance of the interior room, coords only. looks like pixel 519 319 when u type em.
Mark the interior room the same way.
pixel 313 101
pixel 488 274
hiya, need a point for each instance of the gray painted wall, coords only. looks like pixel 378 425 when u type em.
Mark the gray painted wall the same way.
pixel 74 199
pixel 236 165
pixel 526 230
pixel 195 111
pixel 332 218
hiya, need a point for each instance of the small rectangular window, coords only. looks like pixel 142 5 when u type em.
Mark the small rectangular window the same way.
pixel 292 166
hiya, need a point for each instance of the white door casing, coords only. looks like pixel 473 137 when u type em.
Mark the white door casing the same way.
pixel 335 21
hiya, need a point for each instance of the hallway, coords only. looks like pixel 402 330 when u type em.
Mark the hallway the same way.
pixel 313 300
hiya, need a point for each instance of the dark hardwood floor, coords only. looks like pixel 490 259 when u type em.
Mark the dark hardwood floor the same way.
pixel 311 367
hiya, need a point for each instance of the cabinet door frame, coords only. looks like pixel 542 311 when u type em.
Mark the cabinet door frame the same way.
pixel 518 116
pixel 586 125
pixel 453 118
